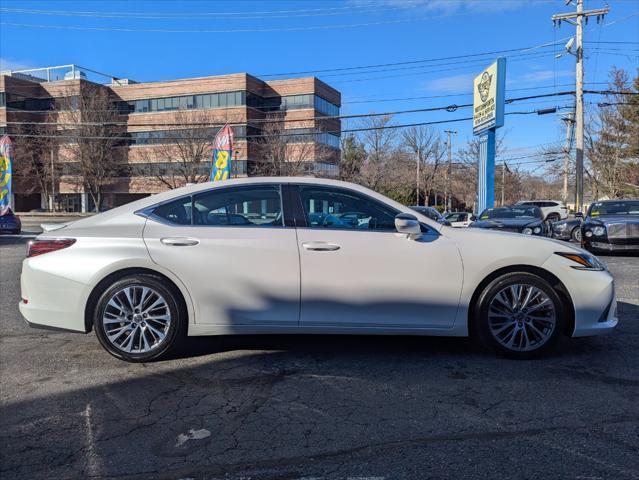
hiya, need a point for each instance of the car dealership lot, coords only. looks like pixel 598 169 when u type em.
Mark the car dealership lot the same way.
pixel 317 407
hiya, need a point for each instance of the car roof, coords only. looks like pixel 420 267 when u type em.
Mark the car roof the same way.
pixel 201 187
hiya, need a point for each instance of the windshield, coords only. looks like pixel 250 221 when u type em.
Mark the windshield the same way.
pixel 626 207
pixel 518 212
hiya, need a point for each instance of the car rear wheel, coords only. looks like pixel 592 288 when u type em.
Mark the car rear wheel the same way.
pixel 519 315
pixel 138 318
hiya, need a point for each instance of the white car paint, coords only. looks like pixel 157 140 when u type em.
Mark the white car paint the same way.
pixel 257 280
pixel 462 223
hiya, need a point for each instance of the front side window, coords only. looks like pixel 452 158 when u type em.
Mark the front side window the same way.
pixel 257 206
pixel 326 207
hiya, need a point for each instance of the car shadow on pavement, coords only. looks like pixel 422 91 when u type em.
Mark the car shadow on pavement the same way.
pixel 300 405
pixel 384 344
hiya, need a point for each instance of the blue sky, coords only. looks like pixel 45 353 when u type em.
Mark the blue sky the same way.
pixel 158 40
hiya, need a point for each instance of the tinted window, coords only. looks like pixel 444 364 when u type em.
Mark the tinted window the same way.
pixel 457 217
pixel 243 206
pixel 326 207
pixel 178 211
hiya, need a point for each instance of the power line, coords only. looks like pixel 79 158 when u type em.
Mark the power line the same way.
pixel 449 108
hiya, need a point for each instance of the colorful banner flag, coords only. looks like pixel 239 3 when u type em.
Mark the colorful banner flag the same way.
pixel 222 153
pixel 6 159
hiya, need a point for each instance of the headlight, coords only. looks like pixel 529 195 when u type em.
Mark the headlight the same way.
pixel 560 227
pixel 537 230
pixel 583 261
pixel 527 231
pixel 588 233
pixel 599 231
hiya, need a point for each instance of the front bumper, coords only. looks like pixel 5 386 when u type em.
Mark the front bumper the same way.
pixel 592 294
pixel 630 247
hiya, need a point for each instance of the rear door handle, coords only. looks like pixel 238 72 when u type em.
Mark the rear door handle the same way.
pixel 179 241
pixel 320 246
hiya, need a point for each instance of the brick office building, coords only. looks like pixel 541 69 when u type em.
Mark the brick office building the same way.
pixel 153 114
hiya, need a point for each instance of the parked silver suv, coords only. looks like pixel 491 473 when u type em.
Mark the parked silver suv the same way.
pixel 553 210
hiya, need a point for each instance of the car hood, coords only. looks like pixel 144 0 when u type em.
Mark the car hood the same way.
pixel 603 219
pixel 506 223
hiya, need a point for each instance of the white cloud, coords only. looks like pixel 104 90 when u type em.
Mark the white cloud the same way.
pixel 542 76
pixel 454 83
pixel 450 6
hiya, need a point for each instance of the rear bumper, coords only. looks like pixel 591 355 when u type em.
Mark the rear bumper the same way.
pixel 52 301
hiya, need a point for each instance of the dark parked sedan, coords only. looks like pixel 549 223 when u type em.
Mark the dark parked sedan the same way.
pixel 525 219
pixel 612 225
pixel 569 229
pixel 10 222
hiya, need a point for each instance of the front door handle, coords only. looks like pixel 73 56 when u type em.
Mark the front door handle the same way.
pixel 179 241
pixel 320 246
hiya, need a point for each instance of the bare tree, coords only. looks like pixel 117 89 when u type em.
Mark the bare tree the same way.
pixel 428 149
pixel 94 139
pixel 281 152
pixel 380 143
pixel 353 156
pixel 184 155
pixel 34 171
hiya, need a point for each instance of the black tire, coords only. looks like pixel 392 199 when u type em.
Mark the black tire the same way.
pixel 172 303
pixel 482 323
pixel 575 235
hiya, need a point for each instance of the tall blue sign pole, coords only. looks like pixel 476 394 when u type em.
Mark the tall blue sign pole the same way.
pixel 488 115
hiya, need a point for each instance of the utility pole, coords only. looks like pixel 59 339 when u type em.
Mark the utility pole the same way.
pixel 503 180
pixel 419 161
pixel 577 19
pixel 447 199
pixel 570 123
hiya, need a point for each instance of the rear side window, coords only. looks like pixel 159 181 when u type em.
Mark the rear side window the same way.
pixel 177 211
pixel 254 206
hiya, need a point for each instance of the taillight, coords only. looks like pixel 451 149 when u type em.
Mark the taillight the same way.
pixel 38 247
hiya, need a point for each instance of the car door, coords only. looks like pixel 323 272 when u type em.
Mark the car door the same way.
pixel 366 275
pixel 230 247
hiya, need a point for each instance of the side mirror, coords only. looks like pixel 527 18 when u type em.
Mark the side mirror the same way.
pixel 579 215
pixel 408 224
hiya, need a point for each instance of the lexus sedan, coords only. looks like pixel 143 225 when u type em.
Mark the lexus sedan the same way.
pixel 147 274
pixel 612 226
pixel 526 219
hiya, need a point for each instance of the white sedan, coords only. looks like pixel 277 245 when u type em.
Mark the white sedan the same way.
pixel 281 255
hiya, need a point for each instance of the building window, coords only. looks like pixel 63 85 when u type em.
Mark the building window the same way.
pixel 186 102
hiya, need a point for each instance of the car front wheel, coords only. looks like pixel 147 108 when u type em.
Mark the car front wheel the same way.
pixel 519 315
pixel 139 318
pixel 576 234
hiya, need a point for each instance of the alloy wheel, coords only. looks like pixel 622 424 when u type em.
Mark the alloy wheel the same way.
pixel 136 319
pixel 521 317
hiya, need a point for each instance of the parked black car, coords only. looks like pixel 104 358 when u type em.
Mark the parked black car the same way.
pixel 526 219
pixel 430 212
pixel 569 229
pixel 10 222
pixel 611 226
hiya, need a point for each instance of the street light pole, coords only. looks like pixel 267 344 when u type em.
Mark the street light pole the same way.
pixel 447 200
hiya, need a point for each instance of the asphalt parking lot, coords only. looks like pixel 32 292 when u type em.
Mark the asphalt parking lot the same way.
pixel 317 407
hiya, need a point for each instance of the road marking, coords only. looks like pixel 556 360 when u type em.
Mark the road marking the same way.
pixel 192 435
